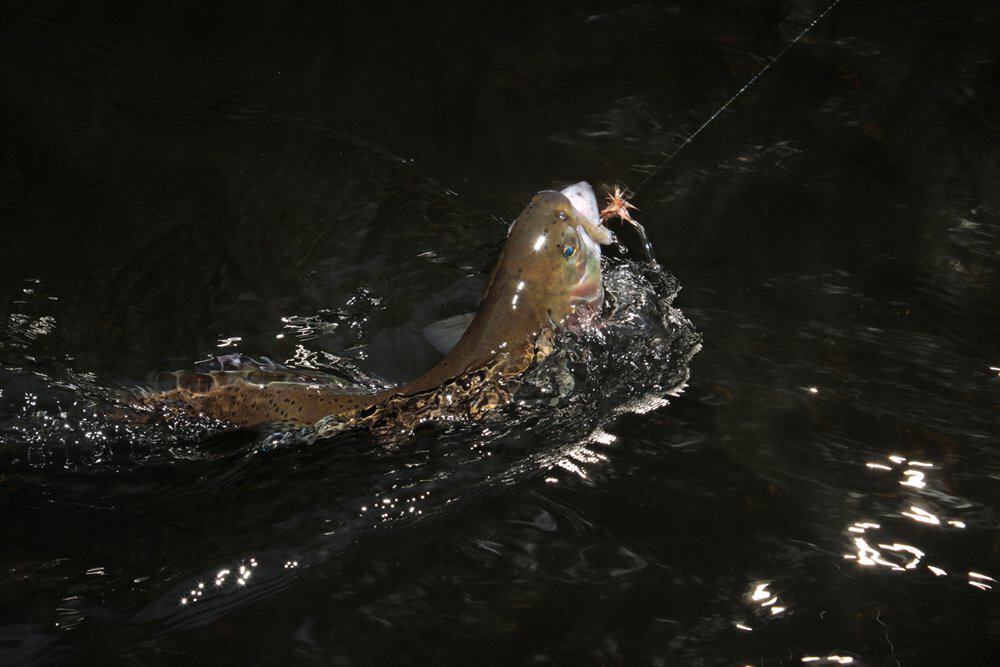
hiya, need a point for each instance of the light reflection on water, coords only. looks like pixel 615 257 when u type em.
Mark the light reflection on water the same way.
pixel 898 556
pixel 239 576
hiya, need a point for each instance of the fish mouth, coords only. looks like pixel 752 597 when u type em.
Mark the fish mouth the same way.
pixel 581 196
pixel 587 296
pixel 589 289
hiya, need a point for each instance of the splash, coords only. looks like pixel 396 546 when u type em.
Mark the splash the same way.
pixel 631 363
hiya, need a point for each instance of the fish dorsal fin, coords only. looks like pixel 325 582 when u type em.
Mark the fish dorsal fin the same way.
pixel 445 334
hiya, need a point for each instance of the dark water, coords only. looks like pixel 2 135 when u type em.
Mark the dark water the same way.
pixel 322 181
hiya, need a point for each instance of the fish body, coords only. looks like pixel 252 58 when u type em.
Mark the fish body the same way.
pixel 548 276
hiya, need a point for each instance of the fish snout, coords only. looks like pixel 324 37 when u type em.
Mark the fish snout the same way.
pixel 581 196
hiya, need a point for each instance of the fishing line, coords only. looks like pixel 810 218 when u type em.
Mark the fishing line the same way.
pixel 763 70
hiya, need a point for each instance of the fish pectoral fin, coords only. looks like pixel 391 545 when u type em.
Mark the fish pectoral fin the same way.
pixel 445 334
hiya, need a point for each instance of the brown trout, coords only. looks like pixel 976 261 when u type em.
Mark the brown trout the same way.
pixel 548 276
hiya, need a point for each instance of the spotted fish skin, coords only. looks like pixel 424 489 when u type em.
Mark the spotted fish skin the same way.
pixel 548 276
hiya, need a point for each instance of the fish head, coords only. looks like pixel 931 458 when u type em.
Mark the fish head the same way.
pixel 552 258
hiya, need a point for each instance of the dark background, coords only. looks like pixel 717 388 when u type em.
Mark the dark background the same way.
pixel 176 175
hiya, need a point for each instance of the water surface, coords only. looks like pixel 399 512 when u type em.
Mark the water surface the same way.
pixel 315 184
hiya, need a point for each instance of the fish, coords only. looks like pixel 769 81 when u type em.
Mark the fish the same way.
pixel 547 278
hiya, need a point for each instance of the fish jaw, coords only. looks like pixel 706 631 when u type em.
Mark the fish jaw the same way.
pixel 589 289
pixel 588 293
pixel 581 196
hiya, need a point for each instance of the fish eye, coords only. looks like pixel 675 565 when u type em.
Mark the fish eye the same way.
pixel 569 251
